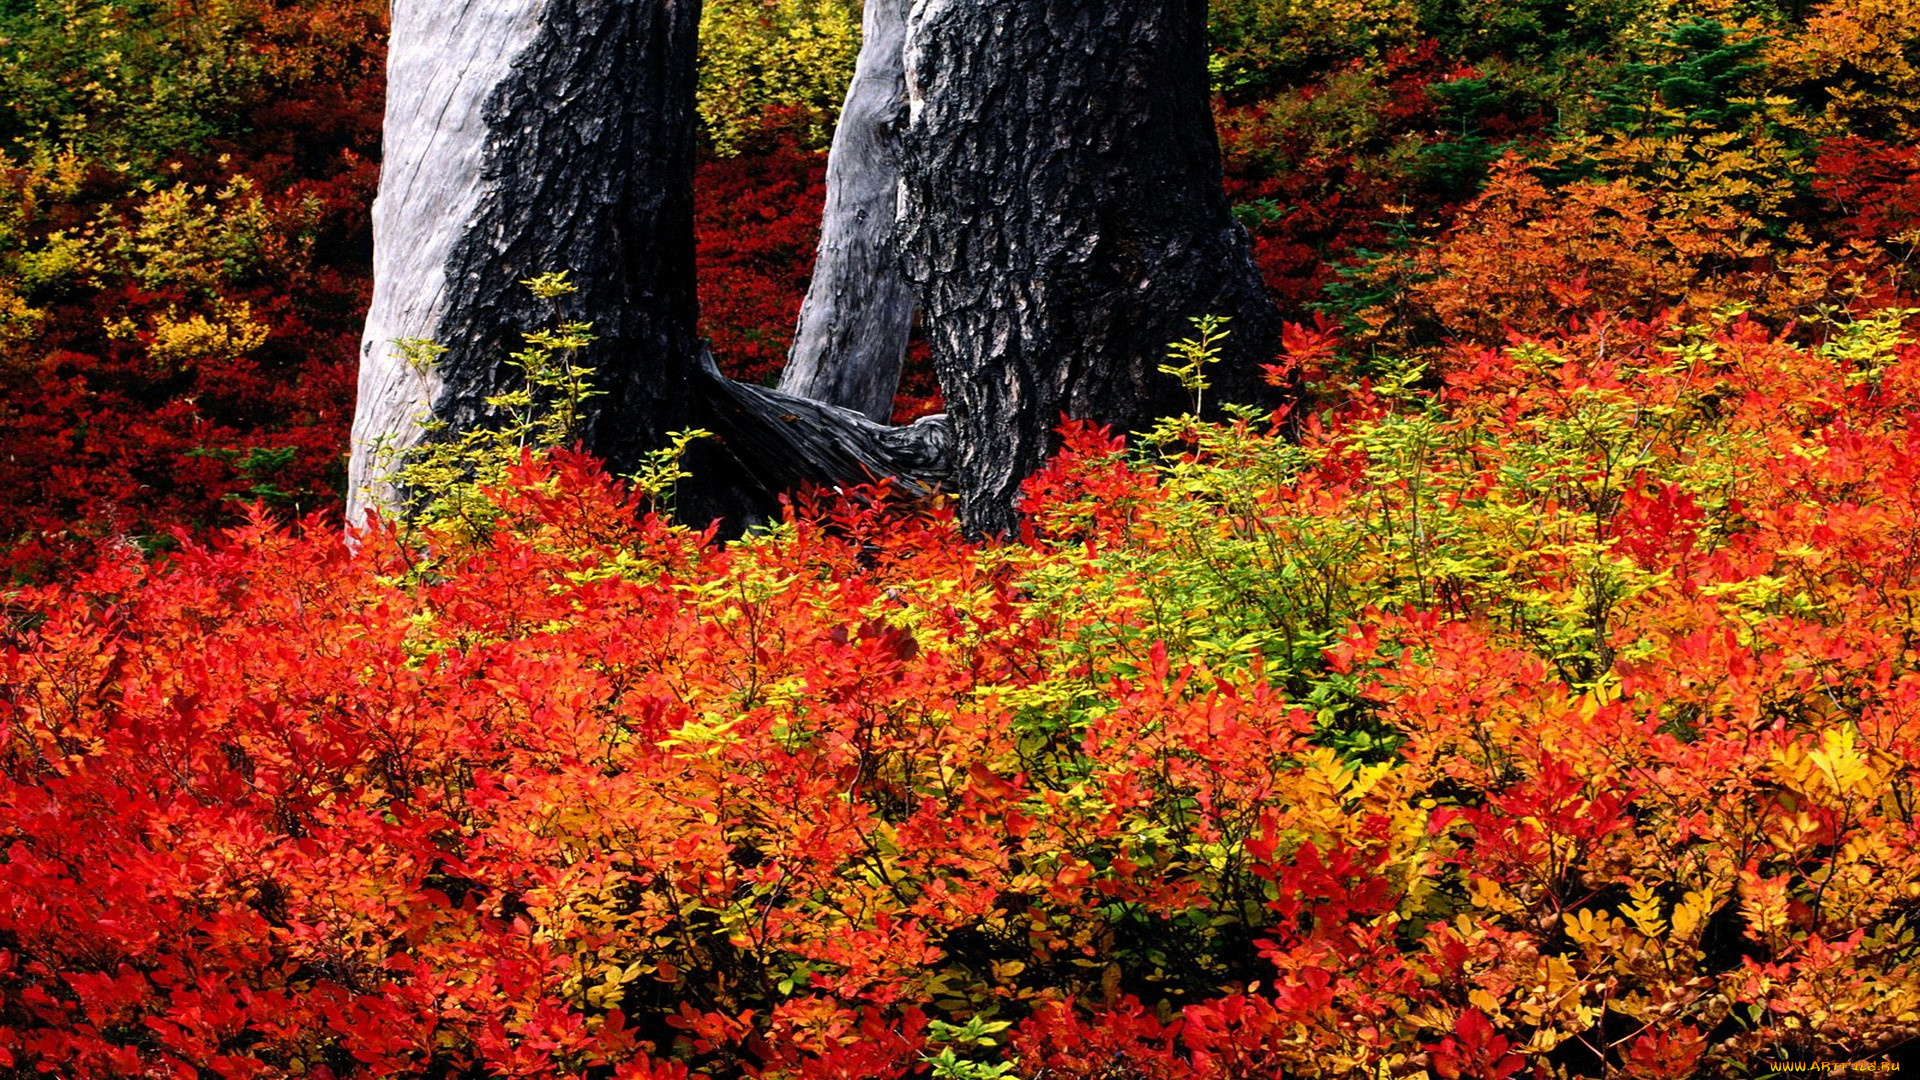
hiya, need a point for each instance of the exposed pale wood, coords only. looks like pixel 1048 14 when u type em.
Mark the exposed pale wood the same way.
pixel 528 137
pixel 852 333
pixel 444 59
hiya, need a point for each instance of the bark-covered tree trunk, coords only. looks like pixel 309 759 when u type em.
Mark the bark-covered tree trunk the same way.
pixel 525 137
pixel 853 328
pixel 1063 220
pixel 531 136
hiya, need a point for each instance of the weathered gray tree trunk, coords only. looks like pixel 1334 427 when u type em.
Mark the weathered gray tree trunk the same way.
pixel 530 136
pixel 1063 219
pixel 444 62
pixel 852 334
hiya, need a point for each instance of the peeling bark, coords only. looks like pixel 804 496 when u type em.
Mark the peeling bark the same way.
pixel 1063 219
pixel 852 334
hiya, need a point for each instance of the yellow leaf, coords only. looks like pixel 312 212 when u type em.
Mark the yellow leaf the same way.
pixel 1588 927
pixel 1691 914
pixel 1491 896
pixel 1644 912
pixel 1841 763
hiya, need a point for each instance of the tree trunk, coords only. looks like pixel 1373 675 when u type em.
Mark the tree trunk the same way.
pixel 526 137
pixel 444 62
pixel 1063 219
pixel 531 136
pixel 852 334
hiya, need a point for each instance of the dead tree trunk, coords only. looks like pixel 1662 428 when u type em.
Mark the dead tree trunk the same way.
pixel 530 136
pixel 1063 220
pixel 444 65
pixel 852 334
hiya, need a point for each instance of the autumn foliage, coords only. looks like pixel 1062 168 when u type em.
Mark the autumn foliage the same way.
pixel 184 193
pixel 184 231
pixel 1560 720
pixel 1539 696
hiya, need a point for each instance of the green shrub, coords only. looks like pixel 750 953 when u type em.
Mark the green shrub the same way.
pixel 1262 45
pixel 123 80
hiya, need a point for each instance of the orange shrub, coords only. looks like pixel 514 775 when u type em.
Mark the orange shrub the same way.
pixel 1527 258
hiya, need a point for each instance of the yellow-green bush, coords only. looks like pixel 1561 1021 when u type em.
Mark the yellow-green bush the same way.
pixel 1257 43
pixel 757 55
pixel 122 80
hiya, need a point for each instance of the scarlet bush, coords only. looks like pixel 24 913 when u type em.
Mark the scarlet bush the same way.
pixel 1533 710
pixel 1564 722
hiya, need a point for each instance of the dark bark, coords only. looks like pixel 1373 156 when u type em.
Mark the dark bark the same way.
pixel 589 169
pixel 852 333
pixel 1063 220
pixel 778 443
pixel 534 136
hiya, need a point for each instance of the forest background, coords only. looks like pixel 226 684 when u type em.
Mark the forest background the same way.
pixel 1546 704
pixel 184 243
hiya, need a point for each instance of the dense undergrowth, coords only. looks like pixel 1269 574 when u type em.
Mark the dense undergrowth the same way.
pixel 1559 721
pixel 1543 702
pixel 184 193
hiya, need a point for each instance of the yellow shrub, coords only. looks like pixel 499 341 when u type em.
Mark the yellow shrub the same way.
pixel 1856 56
pixel 758 54
pixel 27 188
pixel 231 333
pixel 180 236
